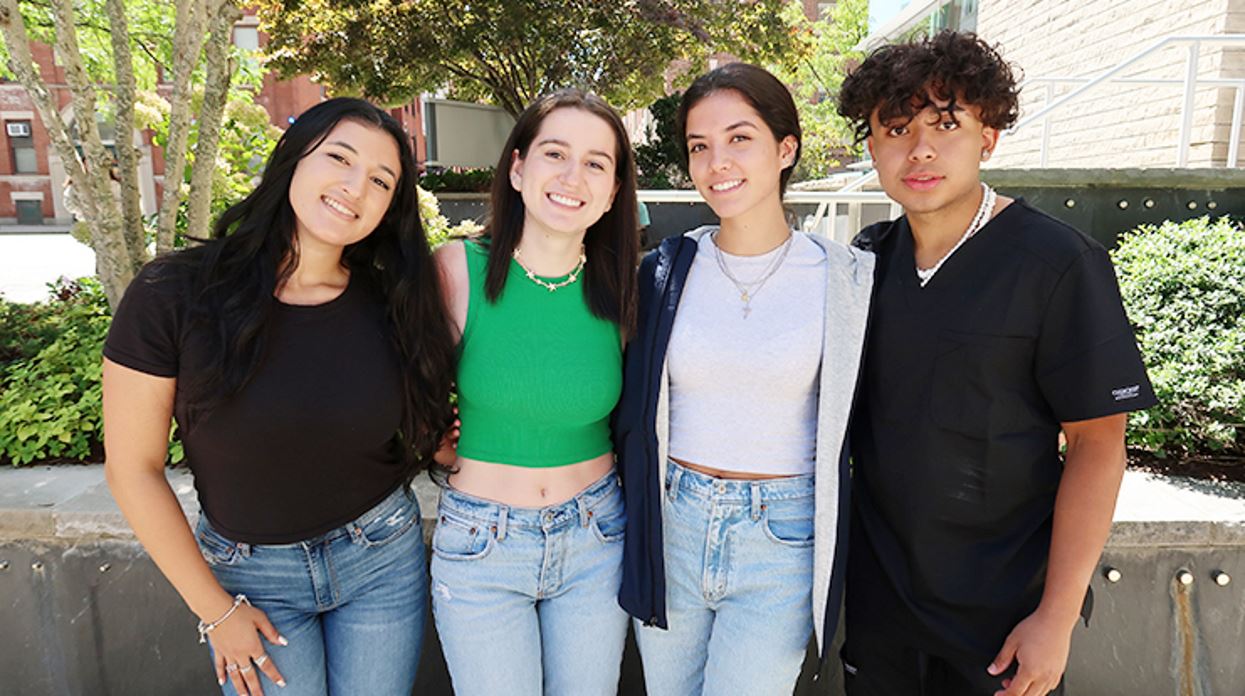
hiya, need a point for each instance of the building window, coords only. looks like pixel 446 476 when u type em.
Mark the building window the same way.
pixel 246 38
pixel 22 146
pixel 29 212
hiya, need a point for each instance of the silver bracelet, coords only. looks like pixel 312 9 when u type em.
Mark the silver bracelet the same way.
pixel 206 628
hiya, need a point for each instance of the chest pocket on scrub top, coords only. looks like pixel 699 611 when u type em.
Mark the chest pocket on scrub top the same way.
pixel 976 386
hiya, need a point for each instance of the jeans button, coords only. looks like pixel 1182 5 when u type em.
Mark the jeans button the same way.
pixel 721 488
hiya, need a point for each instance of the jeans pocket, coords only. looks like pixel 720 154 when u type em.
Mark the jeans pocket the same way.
pixel 216 549
pixel 789 527
pixel 388 524
pixel 457 539
pixel 609 521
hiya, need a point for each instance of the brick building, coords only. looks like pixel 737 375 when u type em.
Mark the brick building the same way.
pixel 33 179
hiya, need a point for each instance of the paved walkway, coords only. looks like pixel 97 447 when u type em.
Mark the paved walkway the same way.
pixel 28 262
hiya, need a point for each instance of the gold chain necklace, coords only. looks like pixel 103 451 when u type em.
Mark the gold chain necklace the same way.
pixel 583 261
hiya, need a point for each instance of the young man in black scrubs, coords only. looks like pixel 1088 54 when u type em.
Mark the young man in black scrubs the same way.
pixel 994 328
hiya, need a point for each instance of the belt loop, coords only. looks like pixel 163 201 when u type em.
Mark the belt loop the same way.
pixel 676 473
pixel 503 514
pixel 582 504
pixel 755 489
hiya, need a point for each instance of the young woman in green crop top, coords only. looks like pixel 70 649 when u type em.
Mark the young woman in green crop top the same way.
pixel 528 548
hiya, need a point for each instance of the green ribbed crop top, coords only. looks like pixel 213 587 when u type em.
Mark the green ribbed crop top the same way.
pixel 538 374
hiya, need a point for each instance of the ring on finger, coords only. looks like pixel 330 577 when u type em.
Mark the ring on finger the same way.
pixel 259 661
pixel 231 668
pixel 246 669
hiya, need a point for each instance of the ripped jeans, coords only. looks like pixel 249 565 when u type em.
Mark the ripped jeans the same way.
pixel 351 602
pixel 526 599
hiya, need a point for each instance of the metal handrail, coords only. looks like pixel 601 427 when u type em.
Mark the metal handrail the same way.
pixel 693 196
pixel 828 203
pixel 1190 81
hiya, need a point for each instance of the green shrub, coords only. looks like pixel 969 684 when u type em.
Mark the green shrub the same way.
pixel 436 226
pixel 458 180
pixel 50 398
pixel 1184 287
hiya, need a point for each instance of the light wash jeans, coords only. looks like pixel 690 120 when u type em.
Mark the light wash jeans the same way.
pixel 526 599
pixel 351 602
pixel 739 578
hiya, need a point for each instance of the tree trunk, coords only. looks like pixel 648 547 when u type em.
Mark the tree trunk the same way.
pixel 127 154
pixel 187 44
pixel 215 93
pixel 102 209
pixel 103 220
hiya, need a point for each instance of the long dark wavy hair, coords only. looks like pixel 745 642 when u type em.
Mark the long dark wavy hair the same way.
pixel 612 244
pixel 254 250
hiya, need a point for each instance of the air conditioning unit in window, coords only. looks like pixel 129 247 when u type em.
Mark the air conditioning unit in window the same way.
pixel 19 129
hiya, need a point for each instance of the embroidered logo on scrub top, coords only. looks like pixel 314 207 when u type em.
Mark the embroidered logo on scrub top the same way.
pixel 1125 393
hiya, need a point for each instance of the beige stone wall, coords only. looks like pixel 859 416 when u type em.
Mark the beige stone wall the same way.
pixel 1117 125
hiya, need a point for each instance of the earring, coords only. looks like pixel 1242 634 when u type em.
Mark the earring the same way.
pixel 985 154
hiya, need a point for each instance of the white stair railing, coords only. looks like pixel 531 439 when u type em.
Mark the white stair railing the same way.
pixel 1190 81
pixel 838 215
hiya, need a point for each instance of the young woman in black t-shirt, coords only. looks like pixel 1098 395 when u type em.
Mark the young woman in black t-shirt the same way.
pixel 305 355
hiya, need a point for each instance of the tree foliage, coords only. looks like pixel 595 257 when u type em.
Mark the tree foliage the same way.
pixel 816 78
pixel 511 51
pixel 113 53
pixel 659 160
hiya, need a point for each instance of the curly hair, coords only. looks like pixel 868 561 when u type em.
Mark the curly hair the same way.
pixel 901 80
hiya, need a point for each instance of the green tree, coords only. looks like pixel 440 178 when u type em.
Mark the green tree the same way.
pixel 511 51
pixel 816 79
pixel 112 52
pixel 659 161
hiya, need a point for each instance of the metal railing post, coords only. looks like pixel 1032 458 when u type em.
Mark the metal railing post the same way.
pixel 1234 139
pixel 1050 96
pixel 1186 117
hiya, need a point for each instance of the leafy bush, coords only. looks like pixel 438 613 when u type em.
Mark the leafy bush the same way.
pixel 50 397
pixel 457 180
pixel 1184 287
pixel 436 227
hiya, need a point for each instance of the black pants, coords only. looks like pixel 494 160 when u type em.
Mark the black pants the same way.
pixel 878 662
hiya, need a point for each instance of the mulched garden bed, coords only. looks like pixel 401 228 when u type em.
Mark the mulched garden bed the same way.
pixel 1205 467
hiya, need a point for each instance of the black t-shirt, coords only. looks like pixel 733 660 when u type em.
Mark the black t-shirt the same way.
pixel 308 444
pixel 955 438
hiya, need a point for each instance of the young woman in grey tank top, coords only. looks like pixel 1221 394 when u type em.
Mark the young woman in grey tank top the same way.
pixel 746 425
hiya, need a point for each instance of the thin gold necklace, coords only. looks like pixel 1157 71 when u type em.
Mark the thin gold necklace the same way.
pixel 583 261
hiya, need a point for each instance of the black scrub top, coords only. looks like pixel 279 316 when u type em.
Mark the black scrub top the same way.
pixel 955 437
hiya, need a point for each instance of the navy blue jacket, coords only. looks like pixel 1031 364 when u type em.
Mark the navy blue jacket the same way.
pixel 663 274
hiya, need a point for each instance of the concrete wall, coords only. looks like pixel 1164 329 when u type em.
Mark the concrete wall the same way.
pixel 1117 125
pixel 84 610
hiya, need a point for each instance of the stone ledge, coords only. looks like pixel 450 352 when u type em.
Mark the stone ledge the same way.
pixel 1197 179
pixel 72 504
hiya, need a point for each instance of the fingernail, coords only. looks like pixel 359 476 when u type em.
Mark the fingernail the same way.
pixel 282 640
pixel 220 682
pixel 281 683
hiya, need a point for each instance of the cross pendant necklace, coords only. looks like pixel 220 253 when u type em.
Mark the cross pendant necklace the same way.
pixel 747 308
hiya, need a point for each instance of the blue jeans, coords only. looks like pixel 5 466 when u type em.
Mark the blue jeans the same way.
pixel 351 602
pixel 739 579
pixel 526 599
